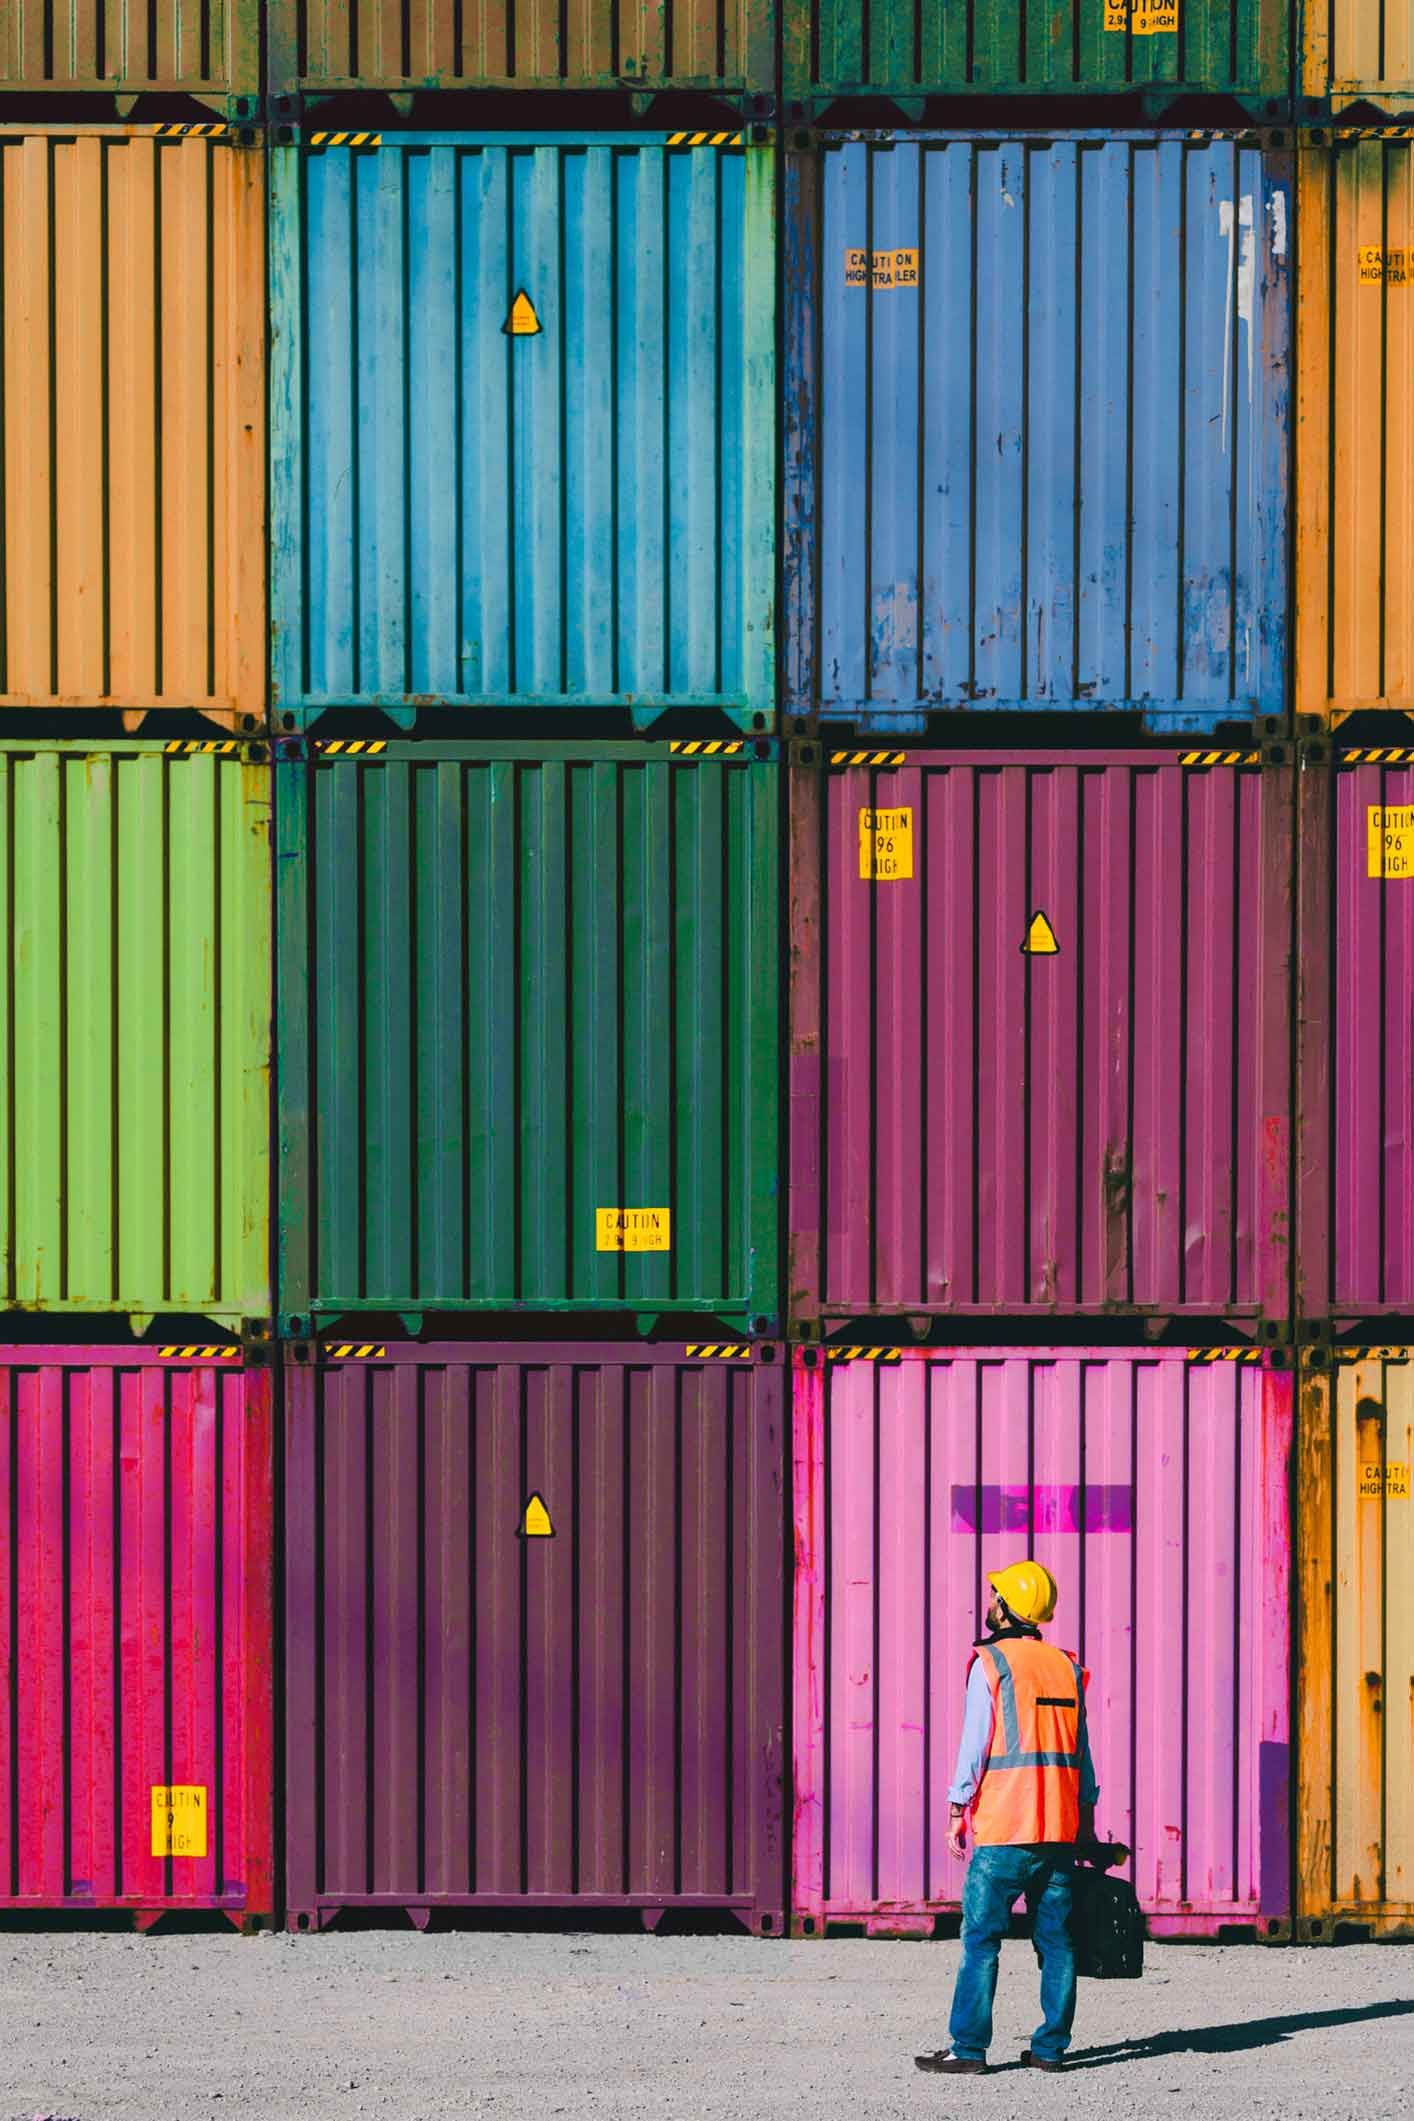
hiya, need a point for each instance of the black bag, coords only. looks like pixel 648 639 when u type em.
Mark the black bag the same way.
pixel 1106 1926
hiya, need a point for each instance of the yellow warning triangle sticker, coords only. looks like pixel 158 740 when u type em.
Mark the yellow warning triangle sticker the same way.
pixel 522 323
pixel 1040 938
pixel 536 1522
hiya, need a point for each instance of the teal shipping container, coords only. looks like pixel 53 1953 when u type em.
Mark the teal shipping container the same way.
pixel 523 432
pixel 528 1025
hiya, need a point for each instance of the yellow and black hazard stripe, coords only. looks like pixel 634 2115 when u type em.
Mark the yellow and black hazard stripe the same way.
pixel 864 1354
pixel 867 758
pixel 350 747
pixel 191 132
pixel 1379 755
pixel 707 748
pixel 346 139
pixel 1341 134
pixel 705 139
pixel 1371 1354
pixel 718 1351
pixel 1220 758
pixel 199 1352
pixel 354 1350
pixel 182 747
pixel 1224 1355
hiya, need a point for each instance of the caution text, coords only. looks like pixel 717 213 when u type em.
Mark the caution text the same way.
pixel 881 269
pixel 885 845
pixel 632 1230
pixel 178 1819
pixel 1394 1486
pixel 1389 840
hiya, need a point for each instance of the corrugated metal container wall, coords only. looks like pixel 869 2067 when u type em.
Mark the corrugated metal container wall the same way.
pixel 523 429
pixel 1355 1631
pixel 205 48
pixel 950 541
pixel 1353 52
pixel 1354 633
pixel 133 403
pixel 1234 48
pixel 1155 1488
pixel 528 1028
pixel 594 1717
pixel 1057 986
pixel 136 1565
pixel 135 1028
pixel 726 45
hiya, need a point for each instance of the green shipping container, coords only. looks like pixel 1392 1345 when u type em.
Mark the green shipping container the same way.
pixel 1163 49
pixel 527 1028
pixel 135 1027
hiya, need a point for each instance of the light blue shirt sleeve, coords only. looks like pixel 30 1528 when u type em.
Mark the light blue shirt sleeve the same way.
pixel 975 1744
pixel 1089 1787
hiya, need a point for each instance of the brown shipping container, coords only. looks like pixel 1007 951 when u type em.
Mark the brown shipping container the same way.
pixel 1358 51
pixel 132 394
pixel 1354 645
pixel 403 45
pixel 209 49
pixel 1355 1636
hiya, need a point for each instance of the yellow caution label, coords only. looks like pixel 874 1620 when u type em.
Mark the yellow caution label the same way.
pixel 522 323
pixel 1146 18
pixel 1394 1486
pixel 1376 267
pixel 178 1819
pixel 1389 840
pixel 1040 938
pixel 535 1521
pixel 886 845
pixel 633 1230
pixel 881 269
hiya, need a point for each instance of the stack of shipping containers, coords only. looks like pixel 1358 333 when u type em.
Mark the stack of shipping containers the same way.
pixel 706 784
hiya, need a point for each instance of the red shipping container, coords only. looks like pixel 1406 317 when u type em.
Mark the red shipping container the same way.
pixel 1154 1485
pixel 535 1628
pixel 1040 1024
pixel 136 1625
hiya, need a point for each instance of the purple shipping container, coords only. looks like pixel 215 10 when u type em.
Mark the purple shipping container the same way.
pixel 1040 1033
pixel 1154 1486
pixel 1355 1060
pixel 536 1628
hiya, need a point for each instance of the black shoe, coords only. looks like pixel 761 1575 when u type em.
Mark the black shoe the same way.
pixel 1030 2061
pixel 946 2064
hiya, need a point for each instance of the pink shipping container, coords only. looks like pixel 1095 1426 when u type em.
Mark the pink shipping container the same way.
pixel 1040 1034
pixel 1355 1061
pixel 1154 1486
pixel 136 1753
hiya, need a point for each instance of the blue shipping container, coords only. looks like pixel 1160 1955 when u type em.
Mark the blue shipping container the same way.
pixel 1036 427
pixel 522 423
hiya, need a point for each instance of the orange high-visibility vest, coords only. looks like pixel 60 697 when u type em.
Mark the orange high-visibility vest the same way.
pixel 1030 1791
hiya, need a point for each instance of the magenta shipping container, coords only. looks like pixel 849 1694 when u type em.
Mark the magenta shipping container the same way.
pixel 536 1628
pixel 136 1753
pixel 1154 1486
pixel 1040 1033
pixel 1355 1141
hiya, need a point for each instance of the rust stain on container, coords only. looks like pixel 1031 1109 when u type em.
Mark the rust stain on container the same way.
pixel 132 573
pixel 1355 1635
pixel 1354 632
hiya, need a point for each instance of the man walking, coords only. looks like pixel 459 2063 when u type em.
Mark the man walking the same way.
pixel 1025 1773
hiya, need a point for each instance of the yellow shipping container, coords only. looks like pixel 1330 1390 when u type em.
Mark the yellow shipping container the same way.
pixel 1358 51
pixel 1355 1643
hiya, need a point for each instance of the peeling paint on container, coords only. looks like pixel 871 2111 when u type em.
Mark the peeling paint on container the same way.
pixel 721 46
pixel 915 48
pixel 136 1568
pixel 135 1006
pixel 950 542
pixel 204 48
pixel 1356 53
pixel 529 1027
pixel 484 1713
pixel 1040 1033
pixel 1355 1631
pixel 1155 1489
pixel 575 513
pixel 132 396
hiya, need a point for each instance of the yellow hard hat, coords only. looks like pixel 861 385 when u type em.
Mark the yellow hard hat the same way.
pixel 1025 1589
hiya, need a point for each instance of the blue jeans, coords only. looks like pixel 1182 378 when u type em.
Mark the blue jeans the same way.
pixel 996 1879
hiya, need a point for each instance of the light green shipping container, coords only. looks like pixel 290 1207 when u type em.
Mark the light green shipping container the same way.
pixel 135 1015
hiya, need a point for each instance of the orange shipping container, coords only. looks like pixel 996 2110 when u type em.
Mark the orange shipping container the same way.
pixel 132 395
pixel 204 48
pixel 1355 426
pixel 1358 51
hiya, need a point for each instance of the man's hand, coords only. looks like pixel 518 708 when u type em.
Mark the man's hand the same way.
pixel 957 1830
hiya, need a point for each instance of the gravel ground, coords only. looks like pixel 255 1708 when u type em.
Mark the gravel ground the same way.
pixel 391 2023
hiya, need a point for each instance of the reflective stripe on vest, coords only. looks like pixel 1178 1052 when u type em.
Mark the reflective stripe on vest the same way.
pixel 1030 1793
pixel 1011 1725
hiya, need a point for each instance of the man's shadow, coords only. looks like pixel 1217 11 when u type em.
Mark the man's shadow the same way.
pixel 1229 2039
